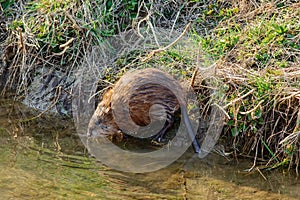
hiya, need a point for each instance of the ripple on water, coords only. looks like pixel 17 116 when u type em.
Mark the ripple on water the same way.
pixel 40 159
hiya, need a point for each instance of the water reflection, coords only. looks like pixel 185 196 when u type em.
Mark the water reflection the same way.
pixel 43 158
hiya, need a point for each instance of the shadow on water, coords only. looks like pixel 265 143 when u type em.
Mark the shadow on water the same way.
pixel 44 159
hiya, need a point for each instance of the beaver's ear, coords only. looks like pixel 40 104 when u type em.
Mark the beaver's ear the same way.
pixel 108 95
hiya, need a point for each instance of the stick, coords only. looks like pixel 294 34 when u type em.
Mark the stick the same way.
pixel 152 53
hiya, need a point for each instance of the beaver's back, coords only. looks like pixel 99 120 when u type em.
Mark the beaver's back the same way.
pixel 144 93
pixel 161 98
pixel 136 99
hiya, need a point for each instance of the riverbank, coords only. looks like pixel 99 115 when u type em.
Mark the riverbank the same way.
pixel 253 45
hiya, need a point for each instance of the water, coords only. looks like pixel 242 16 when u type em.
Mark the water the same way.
pixel 44 159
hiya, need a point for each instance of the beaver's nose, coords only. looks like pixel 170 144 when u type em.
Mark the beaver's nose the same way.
pixel 93 132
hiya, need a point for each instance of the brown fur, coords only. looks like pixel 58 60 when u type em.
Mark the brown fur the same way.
pixel 137 91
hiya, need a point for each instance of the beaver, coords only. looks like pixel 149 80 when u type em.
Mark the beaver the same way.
pixel 138 99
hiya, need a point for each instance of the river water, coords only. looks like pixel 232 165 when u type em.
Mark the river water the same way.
pixel 42 158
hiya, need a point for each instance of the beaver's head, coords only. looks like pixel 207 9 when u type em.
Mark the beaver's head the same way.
pixel 102 122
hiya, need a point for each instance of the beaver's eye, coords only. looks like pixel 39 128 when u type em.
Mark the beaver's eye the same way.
pixel 98 122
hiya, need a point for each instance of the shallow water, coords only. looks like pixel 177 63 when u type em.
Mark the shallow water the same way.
pixel 44 159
